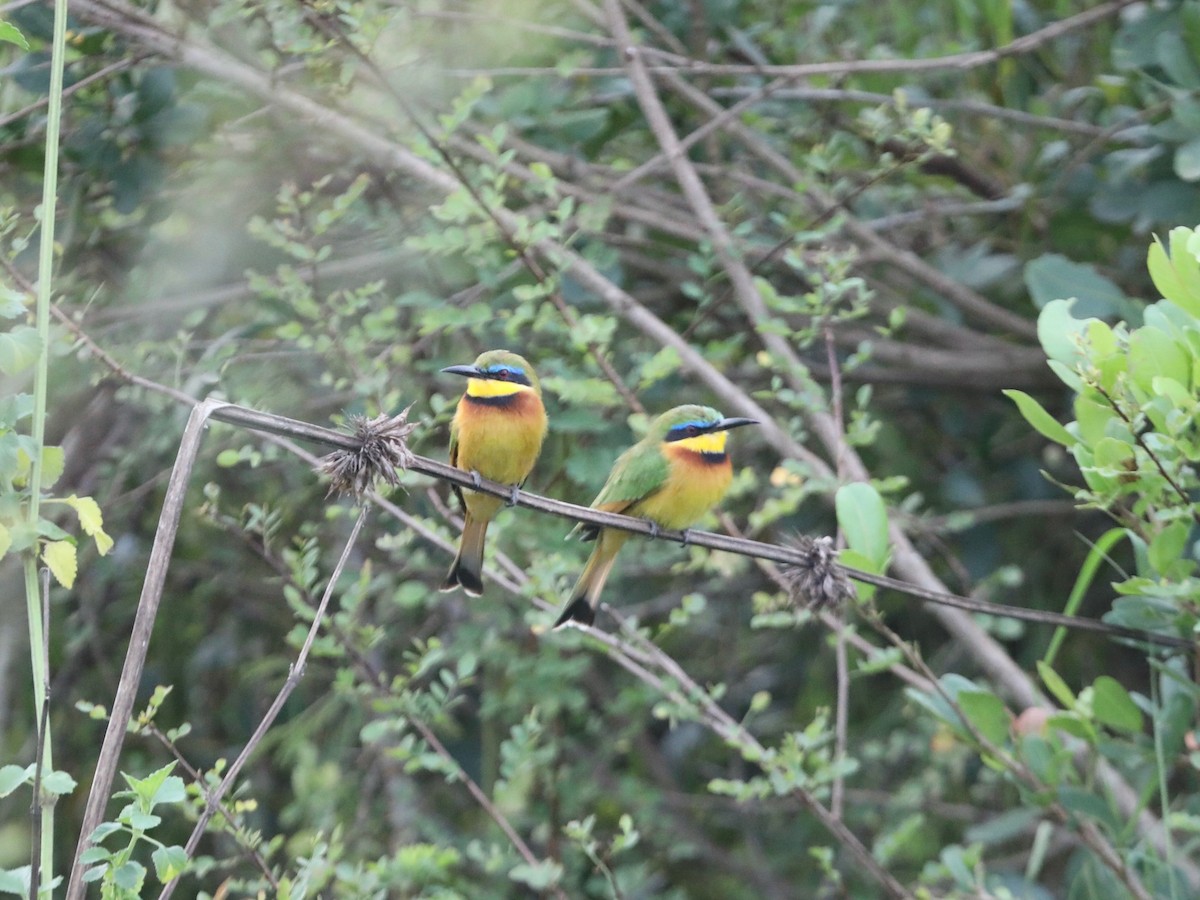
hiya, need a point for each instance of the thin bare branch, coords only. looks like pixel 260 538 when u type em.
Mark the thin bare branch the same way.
pixel 139 641
pixel 281 425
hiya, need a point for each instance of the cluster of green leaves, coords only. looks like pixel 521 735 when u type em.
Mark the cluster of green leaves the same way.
pixel 1134 435
pixel 53 784
pixel 19 346
pixel 120 875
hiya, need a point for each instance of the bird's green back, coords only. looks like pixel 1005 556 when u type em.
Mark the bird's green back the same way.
pixel 640 470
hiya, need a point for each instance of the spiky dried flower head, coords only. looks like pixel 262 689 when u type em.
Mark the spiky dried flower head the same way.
pixel 382 453
pixel 816 581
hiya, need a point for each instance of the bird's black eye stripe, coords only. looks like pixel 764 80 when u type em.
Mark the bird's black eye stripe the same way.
pixel 506 373
pixel 687 430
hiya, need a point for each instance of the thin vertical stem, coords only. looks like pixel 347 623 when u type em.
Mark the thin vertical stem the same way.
pixel 38 808
pixel 38 639
pixel 841 722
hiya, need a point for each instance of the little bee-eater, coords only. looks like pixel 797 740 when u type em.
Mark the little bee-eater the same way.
pixel 497 432
pixel 673 476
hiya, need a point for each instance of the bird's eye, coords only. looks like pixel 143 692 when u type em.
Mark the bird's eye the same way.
pixel 503 374
pixel 692 430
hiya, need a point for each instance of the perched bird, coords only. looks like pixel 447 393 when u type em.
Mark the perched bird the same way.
pixel 673 476
pixel 497 432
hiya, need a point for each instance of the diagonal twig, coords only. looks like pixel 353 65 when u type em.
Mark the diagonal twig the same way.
pixel 213 798
pixel 139 640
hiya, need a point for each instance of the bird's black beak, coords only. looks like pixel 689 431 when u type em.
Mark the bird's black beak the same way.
pixel 469 371
pixel 731 422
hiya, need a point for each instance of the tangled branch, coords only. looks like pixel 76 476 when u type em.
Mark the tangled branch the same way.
pixel 802 557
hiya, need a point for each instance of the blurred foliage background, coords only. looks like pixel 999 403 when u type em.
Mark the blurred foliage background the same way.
pixel 311 206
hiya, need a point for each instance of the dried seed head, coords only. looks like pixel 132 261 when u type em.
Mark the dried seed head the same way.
pixel 381 454
pixel 816 581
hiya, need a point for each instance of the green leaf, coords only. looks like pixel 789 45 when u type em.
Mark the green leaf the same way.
pixel 1187 160
pixel 103 830
pixel 1044 423
pixel 93 855
pixel 1177 277
pixel 12 777
pixel 15 881
pixel 852 559
pixel 141 821
pixel 987 713
pixel 1054 277
pixel 14 408
pixel 1086 803
pixel 169 862
pixel 1168 547
pixel 1092 418
pixel 1113 706
pixel 19 349
pixel 59 557
pixel 1004 826
pixel 12 35
pixel 173 790
pixel 1056 685
pixel 1061 337
pixel 147 789
pixel 1074 725
pixel 862 516
pixel 538 876
pixel 1098 555
pixel 130 876
pixel 91 520
pixel 1154 353
pixel 53 463
pixel 1115 455
pixel 58 782
pixel 12 302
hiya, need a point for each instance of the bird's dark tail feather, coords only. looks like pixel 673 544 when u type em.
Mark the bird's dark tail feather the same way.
pixel 577 610
pixel 467 568
pixel 460 575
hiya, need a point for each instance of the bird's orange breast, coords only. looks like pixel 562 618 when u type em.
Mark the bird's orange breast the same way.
pixel 500 440
pixel 696 482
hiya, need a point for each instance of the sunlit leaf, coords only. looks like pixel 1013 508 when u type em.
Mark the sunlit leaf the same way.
pixel 59 557
pixel 91 520
pixel 12 35
pixel 169 862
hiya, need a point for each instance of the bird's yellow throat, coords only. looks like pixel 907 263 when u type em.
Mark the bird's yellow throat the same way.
pixel 488 387
pixel 713 442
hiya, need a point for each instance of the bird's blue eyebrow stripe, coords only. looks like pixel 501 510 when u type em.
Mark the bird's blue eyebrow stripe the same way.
pixel 516 370
pixel 699 423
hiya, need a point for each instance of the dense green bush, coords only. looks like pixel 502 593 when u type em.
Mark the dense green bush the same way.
pixel 310 209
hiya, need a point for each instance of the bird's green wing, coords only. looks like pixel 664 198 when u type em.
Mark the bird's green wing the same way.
pixel 638 472
pixel 454 460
